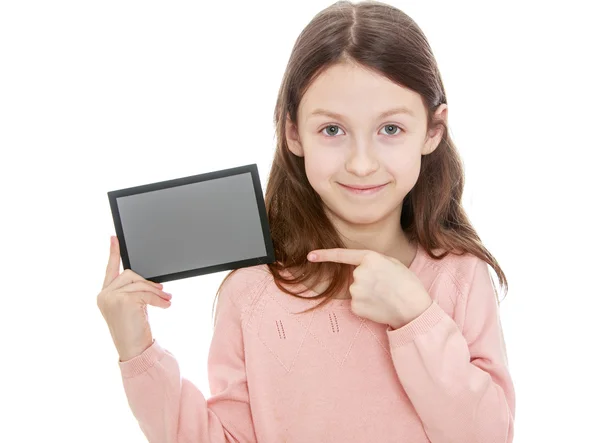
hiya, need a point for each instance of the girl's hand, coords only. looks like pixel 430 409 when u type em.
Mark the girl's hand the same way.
pixel 384 290
pixel 123 303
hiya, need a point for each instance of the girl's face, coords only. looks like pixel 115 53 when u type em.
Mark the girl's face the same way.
pixel 362 137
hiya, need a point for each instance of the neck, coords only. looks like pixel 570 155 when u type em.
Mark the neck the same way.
pixel 385 236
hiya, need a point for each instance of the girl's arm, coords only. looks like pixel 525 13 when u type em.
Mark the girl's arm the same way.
pixel 457 381
pixel 170 409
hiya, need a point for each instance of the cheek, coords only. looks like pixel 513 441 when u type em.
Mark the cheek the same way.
pixel 405 168
pixel 321 165
pixel 317 173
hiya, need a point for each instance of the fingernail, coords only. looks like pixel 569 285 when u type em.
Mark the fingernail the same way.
pixel 312 256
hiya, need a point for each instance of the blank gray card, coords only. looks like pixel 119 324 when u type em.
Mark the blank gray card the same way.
pixel 194 225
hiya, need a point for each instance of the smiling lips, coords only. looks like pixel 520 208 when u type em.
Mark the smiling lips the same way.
pixel 363 189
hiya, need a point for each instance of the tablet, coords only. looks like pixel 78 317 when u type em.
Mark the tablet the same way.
pixel 194 225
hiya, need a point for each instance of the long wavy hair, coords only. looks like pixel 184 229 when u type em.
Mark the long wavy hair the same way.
pixel 384 39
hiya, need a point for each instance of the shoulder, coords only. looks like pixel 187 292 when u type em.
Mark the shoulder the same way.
pixel 242 285
pixel 459 270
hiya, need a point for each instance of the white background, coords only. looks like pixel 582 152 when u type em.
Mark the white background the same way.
pixel 97 96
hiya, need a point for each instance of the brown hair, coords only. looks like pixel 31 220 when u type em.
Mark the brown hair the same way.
pixel 382 38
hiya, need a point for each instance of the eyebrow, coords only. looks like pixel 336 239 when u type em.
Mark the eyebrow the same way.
pixel 393 111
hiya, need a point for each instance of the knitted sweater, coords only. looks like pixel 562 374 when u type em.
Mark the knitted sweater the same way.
pixel 330 376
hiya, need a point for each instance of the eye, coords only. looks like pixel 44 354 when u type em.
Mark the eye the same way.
pixel 331 130
pixel 391 129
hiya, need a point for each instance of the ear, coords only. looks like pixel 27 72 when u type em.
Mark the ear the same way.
pixel 293 138
pixel 435 136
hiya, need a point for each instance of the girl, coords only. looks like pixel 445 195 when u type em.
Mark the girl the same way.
pixel 378 322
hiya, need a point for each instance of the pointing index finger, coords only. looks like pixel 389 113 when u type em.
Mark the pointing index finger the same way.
pixel 338 255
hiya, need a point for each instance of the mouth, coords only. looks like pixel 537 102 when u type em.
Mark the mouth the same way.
pixel 363 189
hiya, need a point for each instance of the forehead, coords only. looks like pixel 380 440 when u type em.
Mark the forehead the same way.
pixel 350 89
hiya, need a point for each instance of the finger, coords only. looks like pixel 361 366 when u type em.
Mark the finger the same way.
pixel 127 277
pixel 114 260
pixel 147 286
pixel 152 299
pixel 338 255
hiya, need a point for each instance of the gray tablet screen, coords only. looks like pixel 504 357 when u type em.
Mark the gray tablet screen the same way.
pixel 192 226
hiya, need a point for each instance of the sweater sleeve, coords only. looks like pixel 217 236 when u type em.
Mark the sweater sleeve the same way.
pixel 170 409
pixel 458 382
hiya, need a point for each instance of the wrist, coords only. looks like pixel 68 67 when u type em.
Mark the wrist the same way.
pixel 404 318
pixel 131 353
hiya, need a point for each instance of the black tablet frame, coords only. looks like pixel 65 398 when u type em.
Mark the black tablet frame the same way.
pixel 262 212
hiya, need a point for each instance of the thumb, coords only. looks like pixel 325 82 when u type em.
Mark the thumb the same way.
pixel 114 260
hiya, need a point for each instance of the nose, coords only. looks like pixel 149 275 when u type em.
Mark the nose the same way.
pixel 362 160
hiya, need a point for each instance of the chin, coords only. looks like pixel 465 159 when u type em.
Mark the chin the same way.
pixel 362 219
pixel 366 216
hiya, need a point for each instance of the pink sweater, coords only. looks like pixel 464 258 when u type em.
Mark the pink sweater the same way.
pixel 330 376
